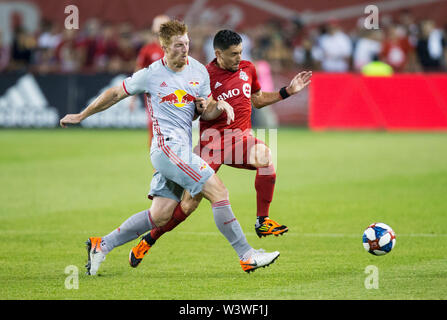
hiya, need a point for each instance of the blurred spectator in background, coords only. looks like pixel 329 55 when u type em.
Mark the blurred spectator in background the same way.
pixel 278 54
pixel 305 53
pixel 262 36
pixel 66 52
pixel 367 46
pixel 397 49
pixel 152 50
pixel 404 43
pixel 124 58
pixel 4 54
pixel 23 46
pixel 47 42
pixel 264 39
pixel 377 68
pixel 86 45
pixel 431 47
pixel 407 21
pixel 106 47
pixel 333 48
pixel 50 37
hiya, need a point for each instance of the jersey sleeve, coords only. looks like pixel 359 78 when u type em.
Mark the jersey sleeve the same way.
pixel 255 85
pixel 137 83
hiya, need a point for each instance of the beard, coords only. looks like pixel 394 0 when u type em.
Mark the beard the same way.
pixel 176 62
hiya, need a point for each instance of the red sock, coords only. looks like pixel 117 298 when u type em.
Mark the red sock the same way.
pixel 264 185
pixel 177 217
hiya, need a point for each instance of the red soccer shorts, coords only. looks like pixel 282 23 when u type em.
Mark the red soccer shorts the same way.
pixel 235 154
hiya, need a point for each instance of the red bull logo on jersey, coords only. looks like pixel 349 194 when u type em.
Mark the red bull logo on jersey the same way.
pixel 179 98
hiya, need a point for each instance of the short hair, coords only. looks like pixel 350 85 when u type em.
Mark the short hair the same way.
pixel 225 39
pixel 170 29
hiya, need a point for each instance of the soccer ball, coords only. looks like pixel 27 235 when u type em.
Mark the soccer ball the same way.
pixel 379 239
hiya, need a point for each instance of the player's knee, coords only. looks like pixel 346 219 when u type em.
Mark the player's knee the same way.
pixel 220 193
pixel 163 218
pixel 189 205
pixel 223 193
pixel 260 156
pixel 215 190
pixel 160 214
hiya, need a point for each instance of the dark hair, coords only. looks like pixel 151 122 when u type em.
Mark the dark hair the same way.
pixel 225 39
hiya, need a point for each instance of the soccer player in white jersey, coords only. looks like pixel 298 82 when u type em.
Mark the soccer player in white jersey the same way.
pixel 172 84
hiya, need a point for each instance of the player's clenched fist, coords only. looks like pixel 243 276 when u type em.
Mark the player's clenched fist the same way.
pixel 200 105
pixel 70 119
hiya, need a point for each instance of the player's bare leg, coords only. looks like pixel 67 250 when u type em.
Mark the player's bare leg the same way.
pixel 260 157
pixel 189 204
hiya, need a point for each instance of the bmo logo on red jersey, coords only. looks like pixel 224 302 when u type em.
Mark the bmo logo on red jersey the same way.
pixel 246 90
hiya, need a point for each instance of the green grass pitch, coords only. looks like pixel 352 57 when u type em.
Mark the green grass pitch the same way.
pixel 58 187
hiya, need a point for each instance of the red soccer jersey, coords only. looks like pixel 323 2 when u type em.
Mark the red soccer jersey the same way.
pixel 235 88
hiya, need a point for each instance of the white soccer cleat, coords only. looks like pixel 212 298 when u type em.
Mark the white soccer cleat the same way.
pixel 258 259
pixel 95 255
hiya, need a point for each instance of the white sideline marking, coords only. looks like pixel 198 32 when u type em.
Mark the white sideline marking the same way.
pixel 321 235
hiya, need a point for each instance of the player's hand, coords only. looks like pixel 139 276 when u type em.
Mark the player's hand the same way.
pixel 224 106
pixel 70 119
pixel 200 105
pixel 299 82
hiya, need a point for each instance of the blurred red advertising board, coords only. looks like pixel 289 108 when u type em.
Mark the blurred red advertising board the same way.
pixel 400 102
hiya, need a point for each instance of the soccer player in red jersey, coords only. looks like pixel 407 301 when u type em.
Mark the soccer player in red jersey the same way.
pixel 235 81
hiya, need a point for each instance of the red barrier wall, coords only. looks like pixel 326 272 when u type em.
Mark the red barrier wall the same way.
pixel 400 102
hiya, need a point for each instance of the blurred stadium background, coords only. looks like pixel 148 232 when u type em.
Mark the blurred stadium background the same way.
pixel 47 70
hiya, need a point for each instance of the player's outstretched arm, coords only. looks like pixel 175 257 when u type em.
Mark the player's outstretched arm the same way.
pixel 104 101
pixel 214 108
pixel 299 82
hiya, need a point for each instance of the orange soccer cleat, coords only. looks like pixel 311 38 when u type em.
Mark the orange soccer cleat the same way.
pixel 269 227
pixel 137 253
